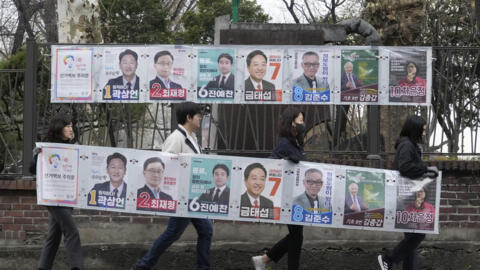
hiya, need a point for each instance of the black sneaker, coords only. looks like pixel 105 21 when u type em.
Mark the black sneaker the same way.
pixel 384 263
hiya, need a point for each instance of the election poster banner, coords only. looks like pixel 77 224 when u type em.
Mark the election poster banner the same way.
pixel 269 74
pixel 407 76
pixel 416 204
pixel 73 79
pixel 235 188
pixel 156 182
pixel 170 72
pixel 359 76
pixel 209 190
pixel 311 75
pixel 122 76
pixel 216 75
pixel 263 75
pixel 59 175
pixel 261 191
pixel 364 198
pixel 312 194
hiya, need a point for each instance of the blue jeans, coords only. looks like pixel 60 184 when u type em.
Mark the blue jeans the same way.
pixel 176 227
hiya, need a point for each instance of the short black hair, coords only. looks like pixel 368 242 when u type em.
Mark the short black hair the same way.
pixel 56 125
pixel 286 119
pixel 153 160
pixel 225 55
pixel 310 53
pixel 127 51
pixel 160 54
pixel 413 128
pixel 119 156
pixel 253 54
pixel 187 108
pixel 251 167
pixel 221 166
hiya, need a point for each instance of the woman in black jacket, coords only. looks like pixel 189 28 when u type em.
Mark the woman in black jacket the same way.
pixel 60 218
pixel 408 161
pixel 289 147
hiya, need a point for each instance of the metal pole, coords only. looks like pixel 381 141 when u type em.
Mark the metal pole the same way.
pixel 235 10
pixel 29 106
pixel 373 138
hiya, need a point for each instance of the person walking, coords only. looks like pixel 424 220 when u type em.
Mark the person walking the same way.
pixel 408 161
pixel 60 220
pixel 182 140
pixel 289 147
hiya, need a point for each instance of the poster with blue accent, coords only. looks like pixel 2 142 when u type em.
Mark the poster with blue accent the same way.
pixel 216 75
pixel 209 191
pixel 312 195
pixel 311 75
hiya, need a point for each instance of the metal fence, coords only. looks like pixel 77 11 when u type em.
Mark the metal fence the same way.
pixel 453 118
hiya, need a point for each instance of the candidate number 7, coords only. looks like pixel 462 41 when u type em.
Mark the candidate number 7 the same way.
pixel 277 181
pixel 277 69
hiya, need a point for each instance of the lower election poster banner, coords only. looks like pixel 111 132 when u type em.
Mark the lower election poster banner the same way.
pixel 235 188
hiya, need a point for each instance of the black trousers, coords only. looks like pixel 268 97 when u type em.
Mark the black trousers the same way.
pixel 406 251
pixel 61 222
pixel 291 243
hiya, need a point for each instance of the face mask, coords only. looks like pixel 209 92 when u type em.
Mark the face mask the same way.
pixel 300 129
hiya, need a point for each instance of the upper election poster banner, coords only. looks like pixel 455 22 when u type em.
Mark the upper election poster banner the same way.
pixel 234 74
pixel 235 188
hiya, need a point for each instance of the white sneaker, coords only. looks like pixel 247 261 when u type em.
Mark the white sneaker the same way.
pixel 384 264
pixel 258 263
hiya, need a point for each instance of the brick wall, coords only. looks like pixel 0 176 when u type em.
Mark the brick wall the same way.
pixel 22 221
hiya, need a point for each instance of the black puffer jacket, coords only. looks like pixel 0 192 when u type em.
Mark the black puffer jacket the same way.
pixel 286 149
pixel 408 159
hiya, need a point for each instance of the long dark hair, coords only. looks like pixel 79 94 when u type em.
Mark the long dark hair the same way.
pixel 413 128
pixel 285 127
pixel 55 128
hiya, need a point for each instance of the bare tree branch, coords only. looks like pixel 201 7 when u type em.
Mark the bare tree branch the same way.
pixel 291 10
